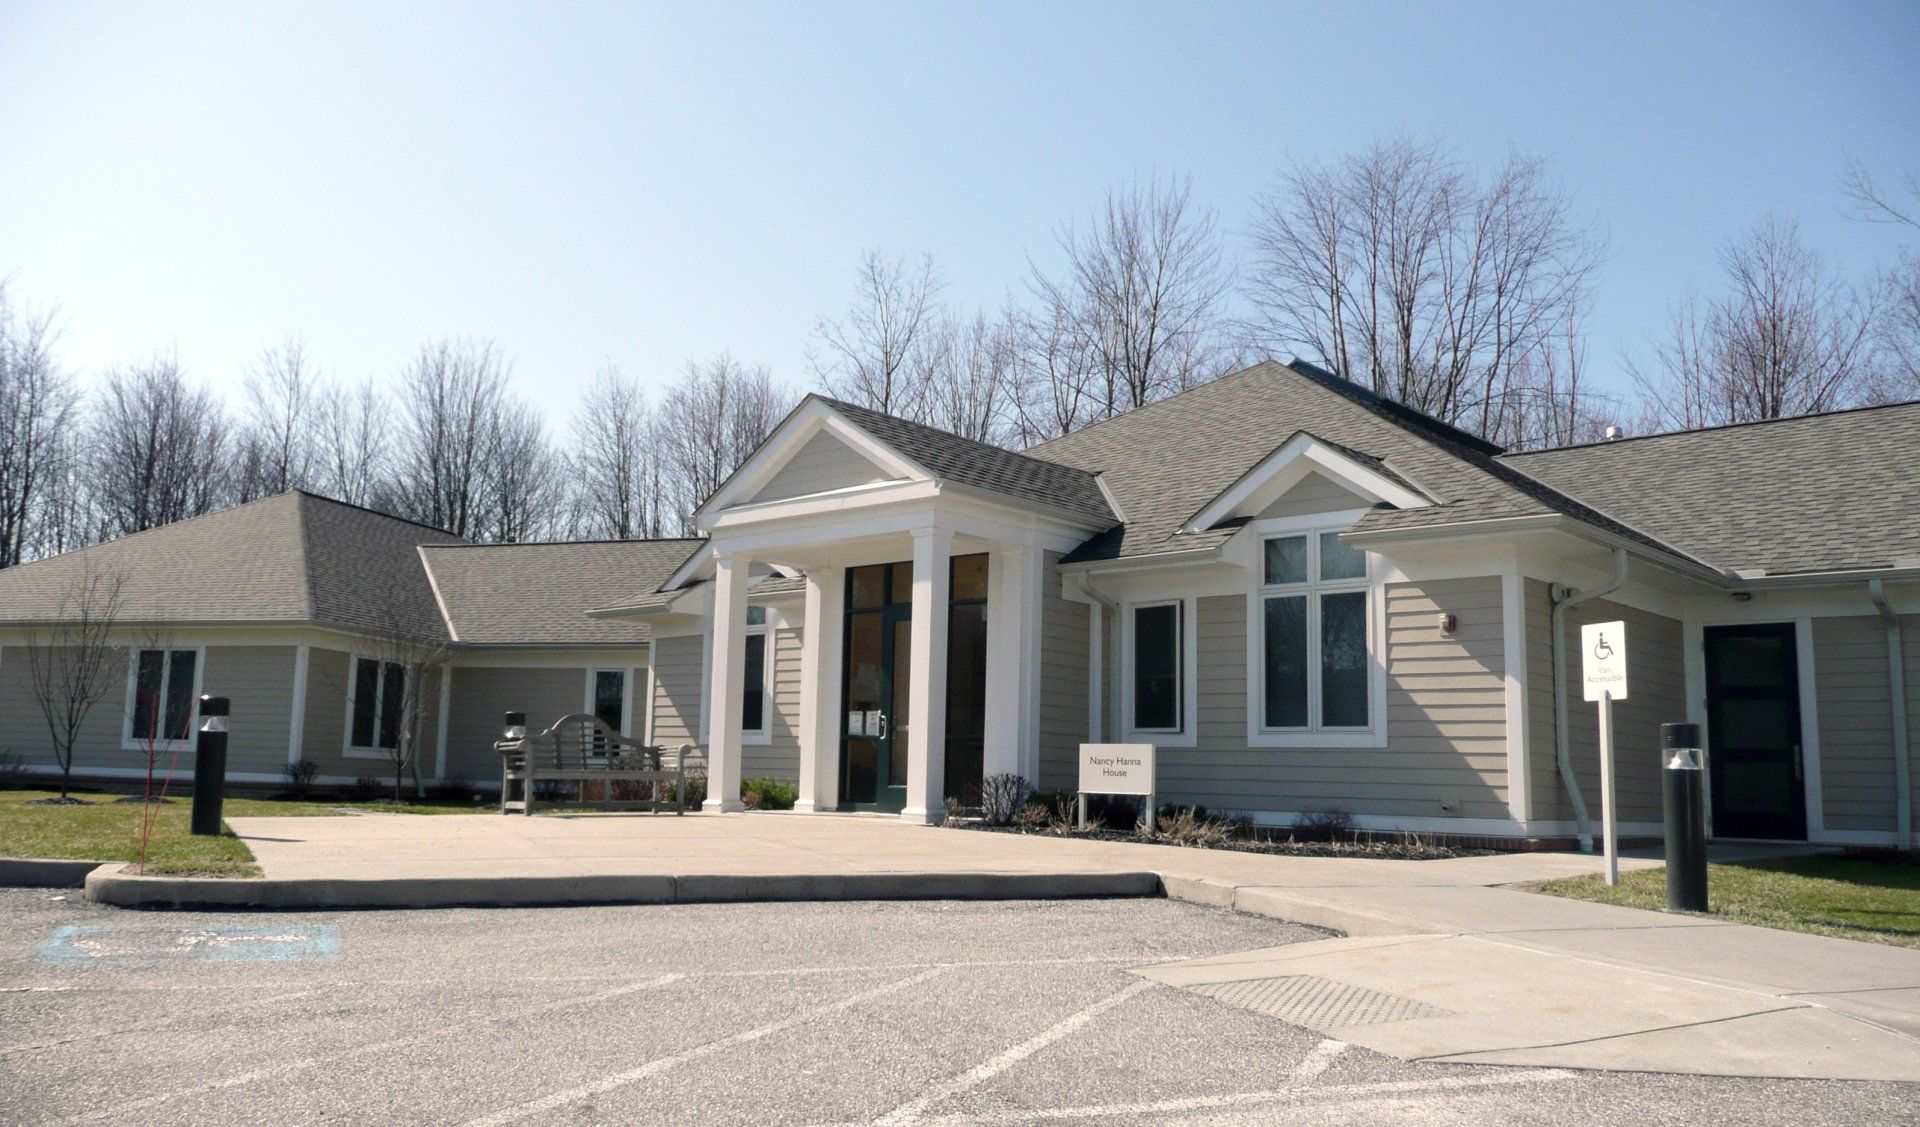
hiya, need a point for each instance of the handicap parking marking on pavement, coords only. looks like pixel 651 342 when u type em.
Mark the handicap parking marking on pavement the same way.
pixel 207 943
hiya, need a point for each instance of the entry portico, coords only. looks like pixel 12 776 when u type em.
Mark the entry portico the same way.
pixel 876 530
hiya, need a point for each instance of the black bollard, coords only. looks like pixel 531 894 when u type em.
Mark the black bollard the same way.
pixel 210 766
pixel 1686 814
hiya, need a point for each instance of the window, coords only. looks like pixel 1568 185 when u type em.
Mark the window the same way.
pixel 1157 691
pixel 377 704
pixel 610 697
pixel 753 696
pixel 1315 669
pixel 163 696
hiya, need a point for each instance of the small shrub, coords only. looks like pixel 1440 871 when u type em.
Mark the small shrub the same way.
pixel 366 788
pixel 1034 816
pixel 300 776
pixel 696 791
pixel 1189 825
pixel 768 794
pixel 1323 825
pixel 1002 797
pixel 953 808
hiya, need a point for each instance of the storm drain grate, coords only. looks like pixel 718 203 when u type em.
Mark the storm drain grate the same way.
pixel 1318 1003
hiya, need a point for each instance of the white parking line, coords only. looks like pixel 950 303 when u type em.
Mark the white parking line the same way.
pixel 305 1063
pixel 1316 1062
pixel 1347 1093
pixel 989 1069
pixel 652 1067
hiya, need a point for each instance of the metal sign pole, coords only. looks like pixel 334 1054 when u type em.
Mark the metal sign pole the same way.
pixel 1608 829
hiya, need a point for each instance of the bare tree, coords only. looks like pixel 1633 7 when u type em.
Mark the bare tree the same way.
pixel 1054 374
pixel 711 419
pixel 866 355
pixel 354 432
pixel 1139 310
pixel 1402 270
pixel 1789 337
pixel 967 370
pixel 1899 328
pixel 450 400
pixel 388 681
pixel 277 441
pixel 525 486
pixel 70 660
pixel 38 405
pixel 613 460
pixel 160 448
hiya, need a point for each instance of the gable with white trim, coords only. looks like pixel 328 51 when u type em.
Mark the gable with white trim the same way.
pixel 1306 469
pixel 822 464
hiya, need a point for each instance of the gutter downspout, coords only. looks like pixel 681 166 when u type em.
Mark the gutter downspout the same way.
pixel 1562 748
pixel 1096 656
pixel 1897 685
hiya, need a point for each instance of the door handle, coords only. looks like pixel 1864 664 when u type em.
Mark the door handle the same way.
pixel 883 725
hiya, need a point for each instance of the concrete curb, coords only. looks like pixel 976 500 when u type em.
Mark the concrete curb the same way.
pixel 41 872
pixel 109 885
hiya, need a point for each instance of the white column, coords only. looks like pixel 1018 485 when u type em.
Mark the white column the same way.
pixel 820 701
pixel 1033 583
pixel 1007 612
pixel 927 703
pixel 729 675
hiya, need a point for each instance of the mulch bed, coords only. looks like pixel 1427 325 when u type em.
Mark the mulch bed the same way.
pixel 1387 849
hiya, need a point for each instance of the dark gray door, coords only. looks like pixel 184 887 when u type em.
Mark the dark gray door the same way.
pixel 1753 724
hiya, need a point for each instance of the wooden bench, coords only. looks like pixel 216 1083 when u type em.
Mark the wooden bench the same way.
pixel 582 748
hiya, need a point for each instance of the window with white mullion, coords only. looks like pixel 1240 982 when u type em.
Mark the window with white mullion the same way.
pixel 1314 618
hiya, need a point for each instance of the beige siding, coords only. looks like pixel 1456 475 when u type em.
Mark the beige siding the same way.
pixel 676 690
pixel 258 680
pixel 1065 635
pixel 1853 691
pixel 1656 695
pixel 780 757
pixel 1910 641
pixel 822 464
pixel 483 695
pixel 1314 493
pixel 329 686
pixel 23 728
pixel 1446 719
pixel 1549 793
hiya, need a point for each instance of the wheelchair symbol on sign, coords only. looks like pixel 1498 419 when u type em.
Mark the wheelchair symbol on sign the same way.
pixel 1601 649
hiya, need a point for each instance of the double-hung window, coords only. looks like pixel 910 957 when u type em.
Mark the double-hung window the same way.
pixel 1315 669
pixel 753 696
pixel 1158 692
pixel 378 700
pixel 162 709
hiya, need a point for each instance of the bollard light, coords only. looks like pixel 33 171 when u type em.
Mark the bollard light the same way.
pixel 210 766
pixel 1685 806
pixel 516 726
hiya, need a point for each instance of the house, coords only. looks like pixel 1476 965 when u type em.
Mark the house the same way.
pixel 1308 596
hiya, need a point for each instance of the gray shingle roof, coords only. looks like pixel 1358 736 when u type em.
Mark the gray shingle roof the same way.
pixel 952 458
pixel 538 594
pixel 1166 461
pixel 293 558
pixel 1815 493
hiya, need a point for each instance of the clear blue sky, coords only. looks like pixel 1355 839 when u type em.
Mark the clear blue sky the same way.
pixel 649 183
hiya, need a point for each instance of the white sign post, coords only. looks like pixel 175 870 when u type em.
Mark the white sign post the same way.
pixel 1603 675
pixel 1116 769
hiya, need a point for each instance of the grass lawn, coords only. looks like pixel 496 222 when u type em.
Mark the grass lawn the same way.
pixel 107 829
pixel 1853 896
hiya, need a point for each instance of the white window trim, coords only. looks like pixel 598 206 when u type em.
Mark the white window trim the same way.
pixel 347 748
pixel 763 735
pixel 1187 734
pixel 1374 735
pixel 127 740
pixel 626 693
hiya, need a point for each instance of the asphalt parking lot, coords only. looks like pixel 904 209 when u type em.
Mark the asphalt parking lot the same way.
pixel 790 1013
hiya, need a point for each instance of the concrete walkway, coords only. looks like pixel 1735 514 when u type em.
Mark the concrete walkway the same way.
pixel 1439 962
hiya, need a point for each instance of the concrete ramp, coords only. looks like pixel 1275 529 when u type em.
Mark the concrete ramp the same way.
pixel 1483 1000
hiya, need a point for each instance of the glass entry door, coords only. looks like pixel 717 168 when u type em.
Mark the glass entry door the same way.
pixel 877 678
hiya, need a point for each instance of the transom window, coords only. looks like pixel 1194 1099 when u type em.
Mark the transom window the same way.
pixel 162 709
pixel 378 699
pixel 1315 668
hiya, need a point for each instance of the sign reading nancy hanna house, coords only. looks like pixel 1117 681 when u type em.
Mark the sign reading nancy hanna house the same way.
pixel 1116 769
